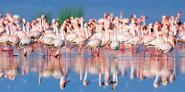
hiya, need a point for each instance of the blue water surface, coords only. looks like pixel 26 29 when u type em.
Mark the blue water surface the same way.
pixel 154 9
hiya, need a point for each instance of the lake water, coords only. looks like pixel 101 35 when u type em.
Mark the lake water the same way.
pixel 28 69
pixel 20 74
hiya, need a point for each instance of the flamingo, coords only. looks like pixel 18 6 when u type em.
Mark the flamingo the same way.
pixel 58 44
pixel 58 41
pixel 26 41
pixel 63 82
pixel 94 44
pixel 10 37
pixel 82 34
pixel 115 45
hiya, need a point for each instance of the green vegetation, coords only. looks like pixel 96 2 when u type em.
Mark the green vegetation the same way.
pixel 70 12
pixel 65 13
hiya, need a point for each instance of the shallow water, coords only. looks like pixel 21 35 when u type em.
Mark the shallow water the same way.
pixel 27 70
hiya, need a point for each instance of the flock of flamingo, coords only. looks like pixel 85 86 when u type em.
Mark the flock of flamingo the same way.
pixel 110 32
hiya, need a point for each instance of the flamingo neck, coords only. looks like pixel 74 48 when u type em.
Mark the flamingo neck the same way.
pixel 115 35
pixel 142 33
pixel 15 30
pixel 40 71
pixel 78 31
pixel 115 75
pixel 156 32
pixel 149 31
pixel 56 30
pixel 62 35
pixel 86 32
pixel 157 78
pixel 7 30
pixel 42 21
pixel 81 74
pixel 27 30
pixel 85 77
pixel 81 23
pixel 23 27
pixel 99 77
pixel 62 79
pixel 40 78
pixel 40 24
pixel 132 72
pixel 11 31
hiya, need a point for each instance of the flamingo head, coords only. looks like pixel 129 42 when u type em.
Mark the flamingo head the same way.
pixel 132 75
pixel 86 82
pixel 63 84
pixel 156 84
pixel 157 81
pixel 53 21
pixel 101 84
pixel 23 20
pixel 17 18
pixel 172 78
pixel 107 81
pixel 114 85
pixel 164 81
pixel 142 77
pixel 42 16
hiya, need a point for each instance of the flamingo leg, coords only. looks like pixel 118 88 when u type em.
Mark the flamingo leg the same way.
pixel 70 52
pixel 44 50
pixel 80 50
pixel 107 46
pixel 144 51
pixel 115 53
pixel 122 49
pixel 51 52
pixel 2 48
pixel 92 52
pixel 59 55
pixel 25 51
pixel 9 51
pixel 98 52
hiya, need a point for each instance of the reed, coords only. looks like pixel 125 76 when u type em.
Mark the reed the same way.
pixel 70 12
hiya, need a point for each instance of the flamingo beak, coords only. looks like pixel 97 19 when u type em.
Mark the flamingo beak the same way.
pixel 164 81
pixel 62 85
pixel 156 85
pixel 172 78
